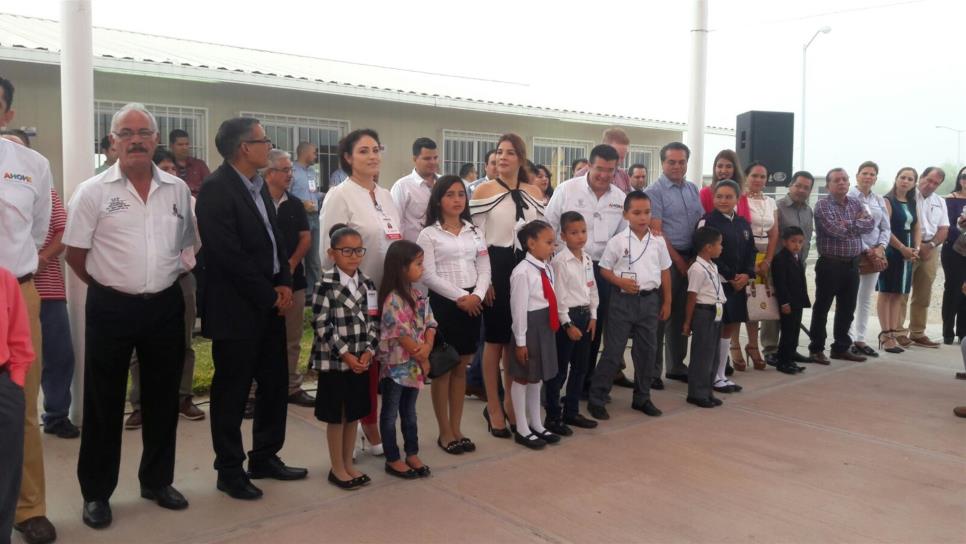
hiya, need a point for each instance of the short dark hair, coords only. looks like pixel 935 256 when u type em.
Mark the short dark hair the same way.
pixel 632 196
pixel 868 164
pixel 466 169
pixel 339 231
pixel 175 134
pixel 422 143
pixel 605 152
pixel 19 133
pixel 105 143
pixel 675 146
pixel 803 174
pixel 161 154
pixel 792 230
pixel 573 165
pixel 348 143
pixel 230 135
pixel 728 183
pixel 705 236
pixel 531 230
pixel 635 166
pixel 752 165
pixel 486 158
pixel 828 175
pixel 567 218
pixel 434 209
pixel 929 170
pixel 7 87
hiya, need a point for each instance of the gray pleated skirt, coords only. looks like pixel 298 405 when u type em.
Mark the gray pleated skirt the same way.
pixel 541 348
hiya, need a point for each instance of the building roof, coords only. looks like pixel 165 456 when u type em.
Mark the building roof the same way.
pixel 32 39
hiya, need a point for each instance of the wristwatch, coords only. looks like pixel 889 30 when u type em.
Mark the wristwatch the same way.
pixel 567 325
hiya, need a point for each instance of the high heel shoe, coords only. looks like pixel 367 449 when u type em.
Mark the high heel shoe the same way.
pixel 499 433
pixel 755 355
pixel 889 344
pixel 737 360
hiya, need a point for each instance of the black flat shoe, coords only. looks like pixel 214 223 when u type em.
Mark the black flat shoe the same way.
pixel 467 445
pixel 894 349
pixel 498 433
pixel 864 350
pixel 648 408
pixel 408 474
pixel 657 384
pixel 787 368
pixel 362 480
pixel 422 471
pixel 275 469
pixel 97 514
pixel 558 427
pixel 452 448
pixel 703 403
pixel 717 401
pixel 724 389
pixel 240 488
pixel 344 484
pixel 166 497
pixel 581 422
pixel 598 412
pixel 548 437
pixel 532 441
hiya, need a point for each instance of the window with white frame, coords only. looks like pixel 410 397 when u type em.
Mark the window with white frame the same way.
pixel 192 120
pixel 286 131
pixel 461 147
pixel 642 154
pixel 558 155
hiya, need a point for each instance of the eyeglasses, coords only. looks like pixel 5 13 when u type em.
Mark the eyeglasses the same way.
pixel 349 251
pixel 262 141
pixel 126 134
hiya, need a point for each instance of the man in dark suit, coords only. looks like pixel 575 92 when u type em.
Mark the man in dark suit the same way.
pixel 791 291
pixel 245 285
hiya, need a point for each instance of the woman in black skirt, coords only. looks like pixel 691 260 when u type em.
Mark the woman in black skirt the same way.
pixel 736 265
pixel 500 207
pixel 457 272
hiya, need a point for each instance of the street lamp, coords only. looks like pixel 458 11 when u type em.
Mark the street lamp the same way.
pixel 823 30
pixel 959 136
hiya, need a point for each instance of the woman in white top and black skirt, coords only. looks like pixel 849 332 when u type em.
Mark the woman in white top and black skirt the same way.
pixel 456 270
pixel 500 207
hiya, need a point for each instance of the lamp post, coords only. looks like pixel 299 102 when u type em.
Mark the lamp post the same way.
pixel 959 147
pixel 823 30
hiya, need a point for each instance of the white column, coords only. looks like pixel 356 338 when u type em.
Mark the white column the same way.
pixel 699 73
pixel 77 120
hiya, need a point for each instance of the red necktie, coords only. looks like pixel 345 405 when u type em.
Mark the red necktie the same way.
pixel 551 300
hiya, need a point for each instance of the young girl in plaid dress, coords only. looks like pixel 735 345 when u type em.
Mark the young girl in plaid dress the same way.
pixel 346 337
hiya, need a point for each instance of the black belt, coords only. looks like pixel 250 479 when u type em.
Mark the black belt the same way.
pixel 139 296
pixel 647 292
pixel 580 309
pixel 710 307
pixel 25 278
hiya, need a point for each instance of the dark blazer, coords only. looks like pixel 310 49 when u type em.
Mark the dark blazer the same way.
pixel 789 277
pixel 738 245
pixel 236 288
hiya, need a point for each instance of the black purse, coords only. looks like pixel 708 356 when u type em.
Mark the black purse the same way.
pixel 443 358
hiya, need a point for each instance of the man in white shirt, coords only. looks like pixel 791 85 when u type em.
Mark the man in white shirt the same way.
pixel 411 192
pixel 25 204
pixel 595 197
pixel 934 224
pixel 126 229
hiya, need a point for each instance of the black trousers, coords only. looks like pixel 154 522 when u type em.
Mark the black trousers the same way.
pixel 262 358
pixel 603 297
pixel 118 324
pixel 788 341
pixel 672 346
pixel 11 450
pixel 954 301
pixel 837 280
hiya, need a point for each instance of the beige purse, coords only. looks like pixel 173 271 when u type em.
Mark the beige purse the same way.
pixel 762 303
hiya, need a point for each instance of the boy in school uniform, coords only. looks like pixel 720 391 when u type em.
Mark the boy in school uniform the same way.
pixel 577 302
pixel 637 265
pixel 702 317
pixel 788 272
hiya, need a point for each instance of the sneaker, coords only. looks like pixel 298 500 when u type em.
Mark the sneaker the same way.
pixel 133 421
pixel 62 428
pixel 189 411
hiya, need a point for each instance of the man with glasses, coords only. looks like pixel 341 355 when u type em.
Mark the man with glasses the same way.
pixel 245 287
pixel 126 229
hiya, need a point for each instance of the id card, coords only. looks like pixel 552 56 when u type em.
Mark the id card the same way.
pixel 372 302
pixel 481 250
pixel 631 275
pixel 392 233
pixel 718 311
pixel 313 186
pixel 589 275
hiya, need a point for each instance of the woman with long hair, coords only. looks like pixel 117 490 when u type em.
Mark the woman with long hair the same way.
pixel 954 265
pixel 896 280
pixel 726 166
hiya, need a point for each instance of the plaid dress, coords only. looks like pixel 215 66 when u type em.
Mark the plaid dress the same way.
pixel 342 322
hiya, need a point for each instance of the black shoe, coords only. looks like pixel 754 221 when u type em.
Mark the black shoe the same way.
pixel 771 359
pixel 658 384
pixel 532 440
pixel 239 488
pixel 557 426
pixel 581 422
pixel 166 497
pixel 724 388
pixel 787 368
pixel 421 472
pixel 622 381
pixel 452 448
pixel 467 445
pixel 864 350
pixel 717 401
pixel 39 529
pixel 683 378
pixel 498 433
pixel 648 408
pixel 799 358
pixel 274 468
pixel 948 340
pixel 847 356
pixel 597 411
pixel 408 474
pixel 703 403
pixel 97 514
pixel 301 398
pixel 354 483
pixel 549 437
pixel 62 428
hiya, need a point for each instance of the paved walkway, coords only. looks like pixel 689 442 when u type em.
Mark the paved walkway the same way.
pixel 846 453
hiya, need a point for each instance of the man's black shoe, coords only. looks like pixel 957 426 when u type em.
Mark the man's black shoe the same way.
pixel 657 383
pixel 598 412
pixel 648 408
pixel 799 358
pixel 557 426
pixel 62 428
pixel 97 514
pixel 274 468
pixel 683 378
pixel 703 403
pixel 239 488
pixel 581 422
pixel 166 497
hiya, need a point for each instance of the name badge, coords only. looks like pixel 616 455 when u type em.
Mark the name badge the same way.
pixel 392 233
pixel 718 311
pixel 372 302
pixel 589 275
pixel 631 275
pixel 313 185
pixel 481 250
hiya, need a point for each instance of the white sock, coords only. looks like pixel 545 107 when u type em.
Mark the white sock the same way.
pixel 533 407
pixel 518 394
pixel 724 345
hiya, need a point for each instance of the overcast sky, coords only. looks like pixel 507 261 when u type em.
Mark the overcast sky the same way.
pixel 878 84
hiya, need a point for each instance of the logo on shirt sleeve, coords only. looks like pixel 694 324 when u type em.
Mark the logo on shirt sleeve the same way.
pixel 13 176
pixel 116 204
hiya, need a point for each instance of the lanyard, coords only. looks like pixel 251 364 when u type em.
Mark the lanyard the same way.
pixel 545 269
pixel 714 282
pixel 629 261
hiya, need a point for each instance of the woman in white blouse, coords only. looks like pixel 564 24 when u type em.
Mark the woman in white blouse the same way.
pixel 500 207
pixel 361 204
pixel 457 272
pixel 873 259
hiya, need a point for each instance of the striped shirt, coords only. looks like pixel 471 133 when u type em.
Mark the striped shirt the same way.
pixel 50 279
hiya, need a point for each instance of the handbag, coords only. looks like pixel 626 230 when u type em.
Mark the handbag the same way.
pixel 762 303
pixel 443 358
pixel 959 246
pixel 869 264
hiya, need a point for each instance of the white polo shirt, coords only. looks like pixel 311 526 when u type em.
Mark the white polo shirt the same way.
pixel 705 282
pixel 644 257
pixel 932 214
pixel 135 247
pixel 604 216
pixel 25 184
pixel 411 195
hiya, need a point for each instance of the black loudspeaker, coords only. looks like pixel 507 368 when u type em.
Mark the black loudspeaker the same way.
pixel 767 136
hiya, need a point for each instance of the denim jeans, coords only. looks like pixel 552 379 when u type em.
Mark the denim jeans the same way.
pixel 397 399
pixel 58 369
pixel 572 354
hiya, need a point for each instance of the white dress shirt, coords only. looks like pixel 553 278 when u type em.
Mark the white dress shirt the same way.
pixel 703 279
pixel 411 195
pixel 932 214
pixel 575 285
pixel 349 282
pixel 453 263
pixel 604 216
pixel 645 257
pixel 526 294
pixel 25 184
pixel 135 246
